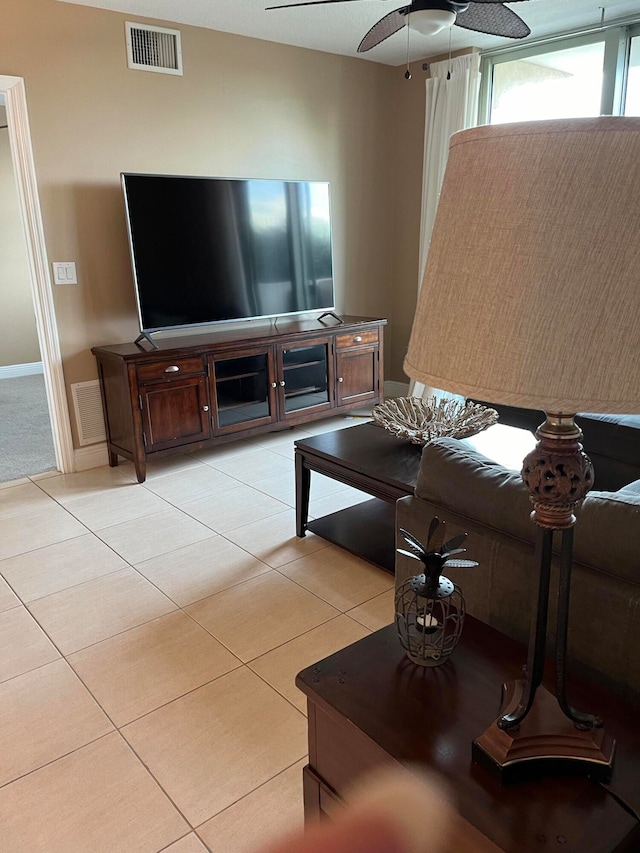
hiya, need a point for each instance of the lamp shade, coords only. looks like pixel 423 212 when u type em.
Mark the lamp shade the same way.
pixel 531 293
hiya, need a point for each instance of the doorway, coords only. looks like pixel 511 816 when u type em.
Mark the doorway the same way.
pixel 26 444
pixel 19 138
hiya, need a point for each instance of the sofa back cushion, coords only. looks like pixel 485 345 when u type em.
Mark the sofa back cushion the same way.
pixel 465 481
pixel 607 535
pixel 612 441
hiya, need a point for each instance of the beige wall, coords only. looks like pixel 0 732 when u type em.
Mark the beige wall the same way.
pixel 244 107
pixel 18 336
pixel 407 114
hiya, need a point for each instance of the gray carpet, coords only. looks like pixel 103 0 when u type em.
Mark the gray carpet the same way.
pixel 26 445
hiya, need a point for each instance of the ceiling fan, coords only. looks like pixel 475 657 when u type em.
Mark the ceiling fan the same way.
pixel 431 16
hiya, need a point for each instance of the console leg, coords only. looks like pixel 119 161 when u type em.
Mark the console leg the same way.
pixel 141 468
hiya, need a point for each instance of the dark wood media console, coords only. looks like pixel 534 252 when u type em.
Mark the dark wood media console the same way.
pixel 198 391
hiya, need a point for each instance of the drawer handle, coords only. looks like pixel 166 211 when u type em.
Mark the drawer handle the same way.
pixel 205 408
pixel 357 339
pixel 340 379
pixel 173 368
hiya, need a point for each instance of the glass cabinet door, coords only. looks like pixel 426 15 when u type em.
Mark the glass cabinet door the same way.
pixel 242 391
pixel 305 377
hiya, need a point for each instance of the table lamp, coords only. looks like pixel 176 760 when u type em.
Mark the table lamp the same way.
pixel 531 298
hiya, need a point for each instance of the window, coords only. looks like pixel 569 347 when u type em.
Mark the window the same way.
pixel 597 73
pixel 558 84
pixel 632 100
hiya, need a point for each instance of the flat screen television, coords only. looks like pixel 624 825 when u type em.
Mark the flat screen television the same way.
pixel 210 250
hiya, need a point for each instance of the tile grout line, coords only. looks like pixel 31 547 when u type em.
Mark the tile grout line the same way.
pixel 252 791
pixel 182 838
pixel 182 609
pixel 152 776
pixel 159 784
pixel 57 758
pixel 142 576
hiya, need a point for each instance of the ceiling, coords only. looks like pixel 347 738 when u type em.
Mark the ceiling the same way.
pixel 339 26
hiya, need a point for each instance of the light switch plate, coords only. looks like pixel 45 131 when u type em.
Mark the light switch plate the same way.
pixel 64 272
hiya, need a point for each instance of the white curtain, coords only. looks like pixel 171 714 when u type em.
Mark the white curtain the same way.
pixel 452 105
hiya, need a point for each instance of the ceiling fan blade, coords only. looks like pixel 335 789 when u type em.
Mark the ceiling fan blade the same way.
pixel 385 27
pixel 494 19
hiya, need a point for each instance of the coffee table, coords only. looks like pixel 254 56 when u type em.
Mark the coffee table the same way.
pixel 369 458
pixel 369 706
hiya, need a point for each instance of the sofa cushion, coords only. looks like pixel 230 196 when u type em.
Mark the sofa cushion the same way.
pixel 473 486
pixel 632 421
pixel 607 535
pixel 630 489
pixel 611 440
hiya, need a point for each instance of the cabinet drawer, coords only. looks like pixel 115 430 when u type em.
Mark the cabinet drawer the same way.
pixel 357 339
pixel 170 369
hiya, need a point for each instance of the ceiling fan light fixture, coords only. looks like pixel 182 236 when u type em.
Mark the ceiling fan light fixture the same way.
pixel 431 21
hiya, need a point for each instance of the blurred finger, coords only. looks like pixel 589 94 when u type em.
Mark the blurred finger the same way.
pixel 395 811
pixel 362 834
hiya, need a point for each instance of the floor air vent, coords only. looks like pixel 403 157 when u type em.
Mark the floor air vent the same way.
pixel 153 48
pixel 87 405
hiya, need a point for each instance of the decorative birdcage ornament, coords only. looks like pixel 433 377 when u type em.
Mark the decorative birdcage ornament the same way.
pixel 430 608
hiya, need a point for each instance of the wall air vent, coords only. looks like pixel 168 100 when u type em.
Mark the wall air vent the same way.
pixel 87 405
pixel 153 48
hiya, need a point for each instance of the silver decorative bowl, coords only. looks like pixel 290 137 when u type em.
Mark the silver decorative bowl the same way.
pixel 420 421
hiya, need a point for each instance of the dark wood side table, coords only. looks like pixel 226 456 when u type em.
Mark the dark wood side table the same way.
pixel 369 458
pixel 370 706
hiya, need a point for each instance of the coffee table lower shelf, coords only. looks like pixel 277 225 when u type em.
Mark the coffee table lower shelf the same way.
pixel 366 529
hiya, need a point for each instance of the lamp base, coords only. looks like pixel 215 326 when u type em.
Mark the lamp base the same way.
pixel 546 742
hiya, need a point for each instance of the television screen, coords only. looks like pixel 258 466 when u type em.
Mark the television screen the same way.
pixel 208 250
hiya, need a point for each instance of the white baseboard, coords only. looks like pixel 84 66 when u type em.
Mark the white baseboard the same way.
pixel 396 389
pixel 10 371
pixel 94 456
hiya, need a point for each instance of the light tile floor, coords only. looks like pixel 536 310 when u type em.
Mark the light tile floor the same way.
pixel 149 640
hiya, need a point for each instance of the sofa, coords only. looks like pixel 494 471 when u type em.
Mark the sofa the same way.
pixel 612 442
pixel 474 494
